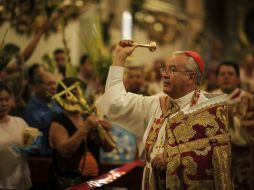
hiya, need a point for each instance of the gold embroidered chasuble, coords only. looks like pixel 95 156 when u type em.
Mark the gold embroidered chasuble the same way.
pixel 196 147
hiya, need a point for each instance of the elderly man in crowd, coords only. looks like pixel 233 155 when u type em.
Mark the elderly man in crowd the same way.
pixel 186 139
pixel 40 108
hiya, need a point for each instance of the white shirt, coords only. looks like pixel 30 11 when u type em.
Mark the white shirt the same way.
pixel 14 171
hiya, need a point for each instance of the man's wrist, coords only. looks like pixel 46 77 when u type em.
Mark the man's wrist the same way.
pixel 119 62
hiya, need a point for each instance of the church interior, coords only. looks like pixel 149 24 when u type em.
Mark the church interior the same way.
pixel 77 38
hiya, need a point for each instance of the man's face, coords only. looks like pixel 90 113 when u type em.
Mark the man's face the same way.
pixel 176 78
pixel 87 69
pixel 227 78
pixel 48 85
pixel 59 58
pixel 135 80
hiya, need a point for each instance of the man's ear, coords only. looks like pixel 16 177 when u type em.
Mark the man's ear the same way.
pixel 193 76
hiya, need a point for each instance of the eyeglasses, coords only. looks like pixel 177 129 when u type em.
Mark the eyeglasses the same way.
pixel 171 70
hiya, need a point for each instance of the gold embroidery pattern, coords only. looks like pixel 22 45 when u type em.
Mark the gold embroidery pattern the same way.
pixel 169 135
pixel 174 160
pixel 173 182
pixel 168 106
pixel 221 164
pixel 197 144
pixel 212 120
pixel 221 114
pixel 202 152
pixel 205 119
pixel 185 131
pixel 191 169
pixel 153 133
pixel 152 136
pixel 179 116
pixel 173 164
pixel 160 146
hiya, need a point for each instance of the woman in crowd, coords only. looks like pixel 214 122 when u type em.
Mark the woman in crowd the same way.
pixel 70 135
pixel 14 171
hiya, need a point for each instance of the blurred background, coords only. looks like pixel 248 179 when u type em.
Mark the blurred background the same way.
pixel 43 41
pixel 215 28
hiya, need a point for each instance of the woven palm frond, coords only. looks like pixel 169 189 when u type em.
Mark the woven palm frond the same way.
pixel 70 71
pixel 49 63
pixel 94 45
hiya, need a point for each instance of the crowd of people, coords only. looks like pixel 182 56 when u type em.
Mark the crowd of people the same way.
pixel 191 136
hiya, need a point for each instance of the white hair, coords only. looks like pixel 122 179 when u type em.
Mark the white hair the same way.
pixel 191 66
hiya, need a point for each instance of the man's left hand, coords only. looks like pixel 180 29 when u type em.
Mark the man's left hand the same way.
pixel 159 162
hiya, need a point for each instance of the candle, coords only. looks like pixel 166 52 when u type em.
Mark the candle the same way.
pixel 126 25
